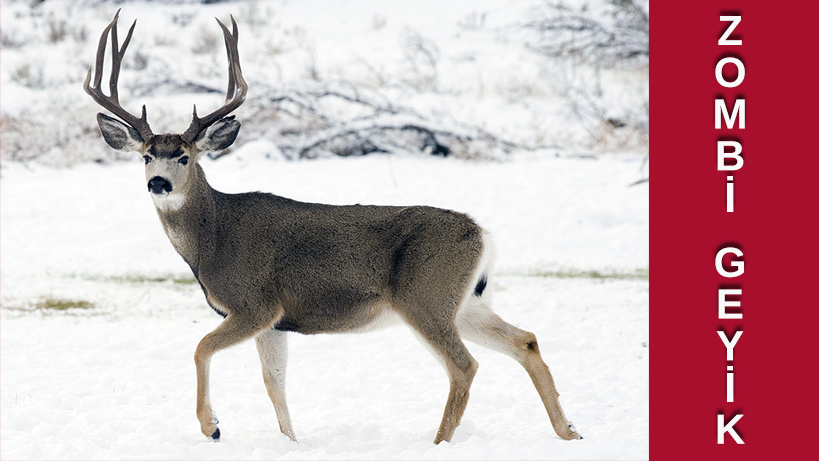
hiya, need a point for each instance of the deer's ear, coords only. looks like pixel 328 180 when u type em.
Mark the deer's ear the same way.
pixel 218 136
pixel 119 135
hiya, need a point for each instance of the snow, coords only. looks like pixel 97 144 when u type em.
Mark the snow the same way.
pixel 117 380
pixel 113 377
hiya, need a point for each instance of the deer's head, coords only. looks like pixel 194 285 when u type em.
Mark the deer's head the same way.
pixel 168 158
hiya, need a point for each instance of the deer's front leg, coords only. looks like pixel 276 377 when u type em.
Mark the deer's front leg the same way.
pixel 233 330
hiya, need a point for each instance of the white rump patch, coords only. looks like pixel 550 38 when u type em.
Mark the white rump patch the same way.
pixel 485 267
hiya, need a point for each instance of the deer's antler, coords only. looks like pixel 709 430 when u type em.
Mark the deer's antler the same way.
pixel 236 91
pixel 112 102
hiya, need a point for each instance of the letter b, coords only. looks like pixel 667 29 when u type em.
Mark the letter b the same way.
pixel 722 155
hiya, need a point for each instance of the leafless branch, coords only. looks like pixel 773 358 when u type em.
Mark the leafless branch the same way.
pixel 346 120
pixel 610 32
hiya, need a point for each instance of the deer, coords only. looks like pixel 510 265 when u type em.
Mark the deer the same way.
pixel 270 265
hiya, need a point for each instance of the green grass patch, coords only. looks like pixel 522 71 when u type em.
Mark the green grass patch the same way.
pixel 138 279
pixel 54 304
pixel 155 279
pixel 638 274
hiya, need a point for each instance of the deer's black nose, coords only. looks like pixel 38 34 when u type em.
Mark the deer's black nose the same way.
pixel 158 185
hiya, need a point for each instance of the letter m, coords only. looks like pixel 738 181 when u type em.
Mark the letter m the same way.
pixel 721 112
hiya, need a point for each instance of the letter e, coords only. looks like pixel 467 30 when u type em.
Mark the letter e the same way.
pixel 723 303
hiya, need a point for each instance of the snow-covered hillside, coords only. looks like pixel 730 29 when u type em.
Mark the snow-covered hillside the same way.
pixel 455 65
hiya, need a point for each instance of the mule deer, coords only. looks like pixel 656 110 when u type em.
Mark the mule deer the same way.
pixel 270 265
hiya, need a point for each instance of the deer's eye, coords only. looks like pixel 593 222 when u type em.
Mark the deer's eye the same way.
pixel 147 159
pixel 183 160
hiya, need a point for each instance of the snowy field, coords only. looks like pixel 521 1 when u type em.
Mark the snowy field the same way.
pixel 99 317
pixel 113 376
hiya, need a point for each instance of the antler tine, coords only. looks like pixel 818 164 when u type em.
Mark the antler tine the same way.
pixel 112 102
pixel 237 87
pixel 231 80
pixel 101 51
pixel 116 59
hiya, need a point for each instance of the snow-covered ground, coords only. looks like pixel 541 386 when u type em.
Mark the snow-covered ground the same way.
pixel 114 378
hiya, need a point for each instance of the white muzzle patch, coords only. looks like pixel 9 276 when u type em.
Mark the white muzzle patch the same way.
pixel 168 201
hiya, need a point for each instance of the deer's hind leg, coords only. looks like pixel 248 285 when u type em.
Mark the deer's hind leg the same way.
pixel 444 342
pixel 479 324
pixel 272 347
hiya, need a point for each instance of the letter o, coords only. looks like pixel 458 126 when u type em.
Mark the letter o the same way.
pixel 740 72
pixel 740 265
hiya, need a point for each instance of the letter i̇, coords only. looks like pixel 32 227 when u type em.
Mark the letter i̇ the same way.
pixel 729 202
pixel 729 384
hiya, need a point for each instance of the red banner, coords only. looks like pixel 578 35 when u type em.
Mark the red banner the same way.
pixel 761 74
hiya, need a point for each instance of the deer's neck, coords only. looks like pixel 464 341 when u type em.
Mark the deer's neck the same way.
pixel 190 227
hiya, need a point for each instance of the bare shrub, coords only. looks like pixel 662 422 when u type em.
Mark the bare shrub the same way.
pixel 341 119
pixel 136 60
pixel 379 22
pixel 182 18
pixel 473 21
pixel 80 34
pixel 163 39
pixel 206 41
pixel 422 55
pixel 56 139
pixel 10 39
pixel 614 115
pixel 609 135
pixel 305 43
pixel 57 29
pixel 29 75
pixel 598 42
pixel 602 32
pixel 255 15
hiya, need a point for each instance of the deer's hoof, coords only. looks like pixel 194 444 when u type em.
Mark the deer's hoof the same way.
pixel 215 436
pixel 573 435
